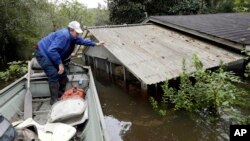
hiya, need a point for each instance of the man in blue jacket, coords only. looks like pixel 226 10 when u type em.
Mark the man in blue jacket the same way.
pixel 51 52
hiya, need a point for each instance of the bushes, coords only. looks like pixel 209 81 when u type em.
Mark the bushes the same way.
pixel 247 71
pixel 24 22
pixel 15 70
pixel 211 93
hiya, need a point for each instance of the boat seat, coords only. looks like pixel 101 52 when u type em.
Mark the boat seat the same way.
pixel 35 65
pixel 49 131
pixel 67 109
pixel 77 120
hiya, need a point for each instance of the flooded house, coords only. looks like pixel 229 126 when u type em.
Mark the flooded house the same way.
pixel 151 52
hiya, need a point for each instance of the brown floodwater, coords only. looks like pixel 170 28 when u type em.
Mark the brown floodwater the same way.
pixel 129 117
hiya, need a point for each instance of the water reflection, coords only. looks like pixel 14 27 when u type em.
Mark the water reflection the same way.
pixel 124 101
pixel 116 129
pixel 147 125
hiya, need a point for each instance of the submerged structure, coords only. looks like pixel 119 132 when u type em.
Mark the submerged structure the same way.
pixel 153 51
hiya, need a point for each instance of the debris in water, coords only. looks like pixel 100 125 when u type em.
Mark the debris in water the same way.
pixel 116 129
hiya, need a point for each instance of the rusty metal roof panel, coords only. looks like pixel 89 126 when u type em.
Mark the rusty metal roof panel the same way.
pixel 234 27
pixel 154 54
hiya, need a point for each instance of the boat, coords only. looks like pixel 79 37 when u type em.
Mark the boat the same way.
pixel 12 101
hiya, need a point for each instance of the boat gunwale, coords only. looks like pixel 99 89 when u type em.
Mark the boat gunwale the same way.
pixel 98 108
pixel 13 84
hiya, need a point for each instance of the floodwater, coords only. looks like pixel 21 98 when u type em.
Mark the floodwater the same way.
pixel 129 117
pixel 143 124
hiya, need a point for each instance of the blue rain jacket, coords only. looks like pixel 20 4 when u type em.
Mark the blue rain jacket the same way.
pixel 58 46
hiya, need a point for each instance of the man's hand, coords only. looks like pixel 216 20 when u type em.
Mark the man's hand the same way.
pixel 61 69
pixel 100 43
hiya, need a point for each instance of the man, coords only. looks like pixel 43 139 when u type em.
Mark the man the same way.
pixel 51 52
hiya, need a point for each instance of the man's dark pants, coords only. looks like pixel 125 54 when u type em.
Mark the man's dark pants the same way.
pixel 57 83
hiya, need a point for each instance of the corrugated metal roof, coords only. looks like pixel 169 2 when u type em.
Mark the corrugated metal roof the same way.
pixel 233 27
pixel 154 54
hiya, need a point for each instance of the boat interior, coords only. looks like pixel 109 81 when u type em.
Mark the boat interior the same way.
pixel 69 116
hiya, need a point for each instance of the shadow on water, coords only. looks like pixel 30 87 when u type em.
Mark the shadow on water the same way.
pixel 131 107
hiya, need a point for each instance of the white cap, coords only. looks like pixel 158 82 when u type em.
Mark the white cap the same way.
pixel 76 26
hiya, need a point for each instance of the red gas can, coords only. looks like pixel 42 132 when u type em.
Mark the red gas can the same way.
pixel 73 92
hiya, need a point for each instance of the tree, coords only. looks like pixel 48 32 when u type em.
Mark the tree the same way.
pixel 24 22
pixel 186 7
pixel 241 6
pixel 100 16
pixel 133 11
pixel 159 7
pixel 17 28
pixel 126 11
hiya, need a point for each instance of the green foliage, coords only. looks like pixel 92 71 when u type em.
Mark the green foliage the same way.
pixel 183 98
pixel 154 103
pixel 59 14
pixel 226 7
pixel 155 106
pixel 242 6
pixel 17 28
pixel 24 22
pixel 162 112
pixel 100 17
pixel 167 95
pixel 159 7
pixel 185 7
pixel 129 11
pixel 247 71
pixel 71 11
pixel 15 70
pixel 243 120
pixel 214 89
pixel 210 93
pixel 134 11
